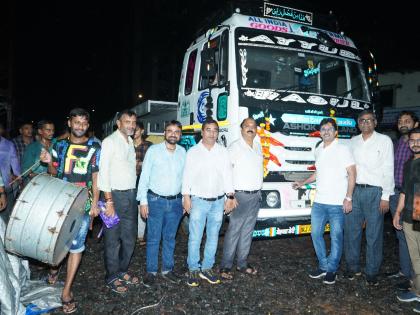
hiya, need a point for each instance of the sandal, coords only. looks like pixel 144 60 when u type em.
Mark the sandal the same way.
pixel 117 286
pixel 129 279
pixel 141 241
pixel 69 306
pixel 249 270
pixel 226 274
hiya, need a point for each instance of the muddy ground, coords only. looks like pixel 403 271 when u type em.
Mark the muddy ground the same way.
pixel 282 285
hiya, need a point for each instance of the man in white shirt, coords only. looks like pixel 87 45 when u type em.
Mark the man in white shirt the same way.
pixel 117 179
pixel 335 177
pixel 207 179
pixel 374 156
pixel 247 162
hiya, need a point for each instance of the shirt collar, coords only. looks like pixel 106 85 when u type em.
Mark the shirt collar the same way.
pixel 130 140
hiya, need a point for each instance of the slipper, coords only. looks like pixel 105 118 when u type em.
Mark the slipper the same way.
pixel 226 274
pixel 141 241
pixel 249 270
pixel 129 279
pixel 117 286
pixel 69 306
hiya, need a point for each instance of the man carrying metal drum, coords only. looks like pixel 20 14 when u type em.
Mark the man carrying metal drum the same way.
pixel 76 160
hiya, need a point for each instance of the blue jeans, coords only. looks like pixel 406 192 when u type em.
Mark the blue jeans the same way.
pixel 404 256
pixel 202 211
pixel 162 223
pixel 365 208
pixel 320 215
pixel 78 244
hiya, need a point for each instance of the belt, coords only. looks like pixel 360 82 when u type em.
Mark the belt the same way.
pixel 249 192
pixel 164 197
pixel 125 190
pixel 366 186
pixel 211 199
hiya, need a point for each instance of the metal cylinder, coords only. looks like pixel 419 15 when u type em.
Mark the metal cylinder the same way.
pixel 45 219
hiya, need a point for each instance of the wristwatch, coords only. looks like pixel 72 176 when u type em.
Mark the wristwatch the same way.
pixel 230 196
pixel 348 198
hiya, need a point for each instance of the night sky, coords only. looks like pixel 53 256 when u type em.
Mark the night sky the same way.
pixel 99 55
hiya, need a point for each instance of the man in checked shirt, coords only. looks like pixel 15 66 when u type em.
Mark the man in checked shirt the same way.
pixel 406 122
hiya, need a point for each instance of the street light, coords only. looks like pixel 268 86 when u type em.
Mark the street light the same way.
pixel 140 95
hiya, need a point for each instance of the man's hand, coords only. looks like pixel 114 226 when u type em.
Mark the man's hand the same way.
pixel 45 156
pixel 347 206
pixel 3 201
pixel 230 204
pixel 384 206
pixel 396 221
pixel 110 210
pixel 144 211
pixel 297 185
pixel 94 210
pixel 187 204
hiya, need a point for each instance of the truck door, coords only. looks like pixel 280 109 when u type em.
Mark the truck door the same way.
pixel 205 73
pixel 213 78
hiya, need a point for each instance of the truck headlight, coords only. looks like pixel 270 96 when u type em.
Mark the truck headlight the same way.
pixel 270 199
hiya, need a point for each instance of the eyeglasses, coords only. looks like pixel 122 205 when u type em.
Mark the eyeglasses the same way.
pixel 366 120
pixel 414 141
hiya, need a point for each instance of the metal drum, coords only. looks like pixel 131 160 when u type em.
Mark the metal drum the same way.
pixel 45 219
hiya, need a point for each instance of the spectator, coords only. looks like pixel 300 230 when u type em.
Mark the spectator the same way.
pixel 117 179
pixel 207 178
pixel 24 139
pixel 160 199
pixel 374 157
pixel 407 121
pixel 335 177
pixel 9 169
pixel 410 193
pixel 141 145
pixel 247 162
pixel 66 163
pixel 31 156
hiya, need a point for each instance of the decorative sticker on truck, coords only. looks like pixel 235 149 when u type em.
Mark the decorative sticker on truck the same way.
pixel 201 106
pixel 185 108
pixel 286 13
pixel 244 70
pixel 271 95
pixel 296 29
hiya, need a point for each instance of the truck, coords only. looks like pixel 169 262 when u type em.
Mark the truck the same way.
pixel 278 66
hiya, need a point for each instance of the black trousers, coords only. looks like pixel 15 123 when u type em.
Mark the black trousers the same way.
pixel 120 239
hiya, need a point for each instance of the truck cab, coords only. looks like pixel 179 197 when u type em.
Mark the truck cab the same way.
pixel 287 74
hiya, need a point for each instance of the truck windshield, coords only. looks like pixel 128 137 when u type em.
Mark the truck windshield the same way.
pixel 264 66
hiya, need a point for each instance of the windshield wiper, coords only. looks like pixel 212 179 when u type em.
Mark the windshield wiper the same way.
pixel 342 95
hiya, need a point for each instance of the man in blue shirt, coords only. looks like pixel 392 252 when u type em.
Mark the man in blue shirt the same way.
pixel 9 170
pixel 159 193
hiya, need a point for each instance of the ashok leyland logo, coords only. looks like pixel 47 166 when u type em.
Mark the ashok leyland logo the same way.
pixel 201 106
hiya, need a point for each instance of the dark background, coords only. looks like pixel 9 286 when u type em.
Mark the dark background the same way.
pixel 56 55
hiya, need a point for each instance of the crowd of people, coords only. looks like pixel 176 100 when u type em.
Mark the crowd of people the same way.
pixel 151 187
